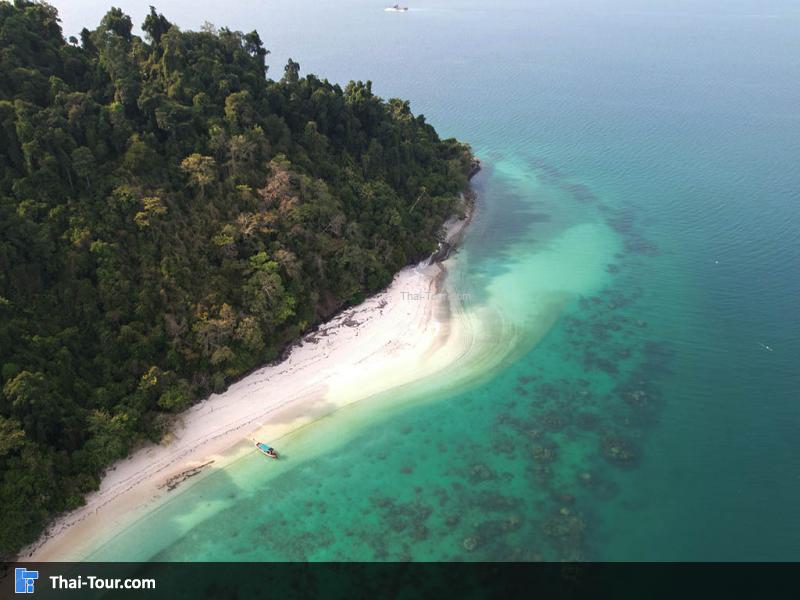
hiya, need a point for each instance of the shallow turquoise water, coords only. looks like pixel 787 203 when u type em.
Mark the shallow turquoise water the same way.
pixel 638 231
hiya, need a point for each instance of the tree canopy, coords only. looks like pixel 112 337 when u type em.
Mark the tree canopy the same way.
pixel 170 218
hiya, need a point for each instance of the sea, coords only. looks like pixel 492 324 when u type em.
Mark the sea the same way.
pixel 637 245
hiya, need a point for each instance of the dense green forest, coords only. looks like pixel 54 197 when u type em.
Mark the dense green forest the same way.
pixel 170 218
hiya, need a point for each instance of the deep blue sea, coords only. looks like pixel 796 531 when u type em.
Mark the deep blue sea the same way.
pixel 642 180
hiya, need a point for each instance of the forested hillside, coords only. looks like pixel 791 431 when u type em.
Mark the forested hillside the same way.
pixel 170 218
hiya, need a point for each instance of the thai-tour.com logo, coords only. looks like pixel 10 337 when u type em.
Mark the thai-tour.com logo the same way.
pixel 24 580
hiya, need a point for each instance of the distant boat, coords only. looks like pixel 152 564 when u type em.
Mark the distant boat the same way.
pixel 266 450
pixel 396 8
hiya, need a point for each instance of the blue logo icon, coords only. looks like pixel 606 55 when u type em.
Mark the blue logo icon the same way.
pixel 24 580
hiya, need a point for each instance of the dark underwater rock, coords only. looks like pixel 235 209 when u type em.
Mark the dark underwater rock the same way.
pixel 619 450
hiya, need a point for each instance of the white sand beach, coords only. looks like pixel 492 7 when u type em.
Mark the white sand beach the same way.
pixel 402 334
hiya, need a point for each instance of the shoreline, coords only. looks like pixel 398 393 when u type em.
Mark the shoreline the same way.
pixel 399 335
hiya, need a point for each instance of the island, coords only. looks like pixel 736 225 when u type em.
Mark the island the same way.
pixel 174 219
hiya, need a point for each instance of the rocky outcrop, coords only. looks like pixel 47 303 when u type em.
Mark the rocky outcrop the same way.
pixel 475 167
pixel 455 227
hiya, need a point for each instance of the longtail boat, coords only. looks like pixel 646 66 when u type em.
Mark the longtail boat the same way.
pixel 266 450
